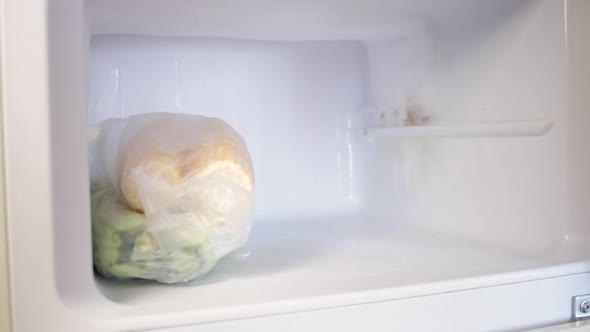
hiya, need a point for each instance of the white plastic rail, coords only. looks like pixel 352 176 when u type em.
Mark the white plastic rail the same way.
pixel 486 129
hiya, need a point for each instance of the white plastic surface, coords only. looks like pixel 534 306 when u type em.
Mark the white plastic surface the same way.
pixel 514 307
pixel 283 19
pixel 580 326
pixel 578 118
pixel 354 260
pixel 361 222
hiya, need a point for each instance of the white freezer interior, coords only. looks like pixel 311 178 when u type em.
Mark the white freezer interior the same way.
pixel 400 148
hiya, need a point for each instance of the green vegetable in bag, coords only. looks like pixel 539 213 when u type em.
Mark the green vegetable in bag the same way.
pixel 124 248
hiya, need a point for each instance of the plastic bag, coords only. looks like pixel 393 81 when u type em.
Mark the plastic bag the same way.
pixel 171 195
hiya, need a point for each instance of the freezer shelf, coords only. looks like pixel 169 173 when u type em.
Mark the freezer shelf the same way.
pixel 340 260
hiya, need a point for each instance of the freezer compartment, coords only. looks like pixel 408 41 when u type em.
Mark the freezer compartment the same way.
pixel 436 153
pixel 414 148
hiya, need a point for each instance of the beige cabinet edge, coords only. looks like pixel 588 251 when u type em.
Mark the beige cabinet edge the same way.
pixel 5 319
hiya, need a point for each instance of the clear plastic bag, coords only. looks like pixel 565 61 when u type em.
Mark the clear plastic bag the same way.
pixel 171 195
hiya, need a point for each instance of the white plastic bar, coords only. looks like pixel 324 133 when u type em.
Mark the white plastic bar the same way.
pixel 490 129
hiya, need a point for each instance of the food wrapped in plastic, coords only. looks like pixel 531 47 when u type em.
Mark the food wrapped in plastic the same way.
pixel 171 195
